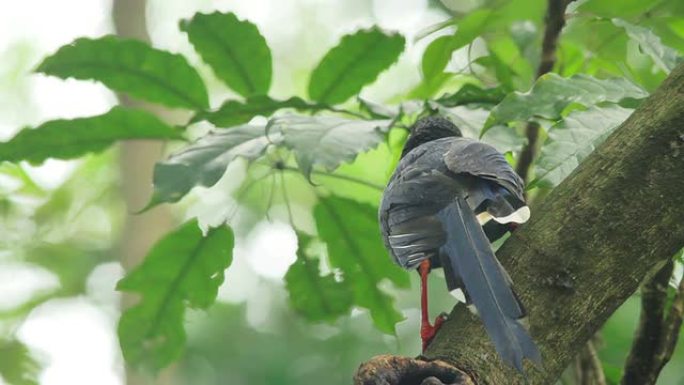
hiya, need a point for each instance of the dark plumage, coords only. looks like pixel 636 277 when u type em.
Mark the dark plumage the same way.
pixel 430 210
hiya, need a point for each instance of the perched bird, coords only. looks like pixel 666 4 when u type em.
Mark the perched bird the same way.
pixel 443 190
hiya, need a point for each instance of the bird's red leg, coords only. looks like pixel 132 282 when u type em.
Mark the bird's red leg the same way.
pixel 427 331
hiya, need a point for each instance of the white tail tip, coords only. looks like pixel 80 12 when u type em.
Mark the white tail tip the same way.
pixel 521 215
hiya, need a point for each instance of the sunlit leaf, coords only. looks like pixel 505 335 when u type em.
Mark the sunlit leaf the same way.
pixel 328 141
pixel 350 230
pixel 552 94
pixel 317 297
pixel 438 53
pixel 235 50
pixel 622 8
pixel 377 110
pixel 234 112
pixel 68 139
pixel 184 269
pixel 573 139
pixel 203 162
pixel 17 366
pixel 663 56
pixel 132 67
pixel 355 62
pixel 472 94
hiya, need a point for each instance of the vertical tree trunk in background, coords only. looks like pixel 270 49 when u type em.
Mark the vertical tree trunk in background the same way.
pixel 137 160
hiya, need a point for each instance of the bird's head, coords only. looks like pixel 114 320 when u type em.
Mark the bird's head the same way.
pixel 428 129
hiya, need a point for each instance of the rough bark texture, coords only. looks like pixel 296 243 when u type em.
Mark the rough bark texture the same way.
pixel 588 245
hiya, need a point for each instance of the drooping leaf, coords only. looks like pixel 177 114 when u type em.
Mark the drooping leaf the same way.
pixel 17 366
pixel 235 50
pixel 355 62
pixel 317 297
pixel 328 141
pixel 204 162
pixel 438 53
pixel 377 110
pixel 552 94
pixel 183 269
pixel 472 94
pixel 436 57
pixel 234 112
pixel 350 230
pixel 131 67
pixel 68 139
pixel 573 139
pixel 663 56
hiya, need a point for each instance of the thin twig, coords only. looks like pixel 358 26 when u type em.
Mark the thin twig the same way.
pixel 555 21
pixel 339 176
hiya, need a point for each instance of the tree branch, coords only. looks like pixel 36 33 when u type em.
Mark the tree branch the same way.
pixel 588 245
pixel 589 367
pixel 554 21
pixel 643 358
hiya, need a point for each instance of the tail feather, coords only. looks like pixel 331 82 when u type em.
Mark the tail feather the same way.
pixel 487 284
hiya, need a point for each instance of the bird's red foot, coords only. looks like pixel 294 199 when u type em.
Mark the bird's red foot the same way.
pixel 428 332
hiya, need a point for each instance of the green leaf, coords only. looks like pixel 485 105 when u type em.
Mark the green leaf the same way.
pixel 663 56
pixel 552 94
pixel 472 94
pixel 352 64
pixel 204 162
pixel 350 229
pixel 234 112
pixel 573 139
pixel 183 269
pixel 436 57
pixel 328 141
pixel 316 297
pixel 234 49
pixel 377 110
pixel 17 366
pixel 68 139
pixel 438 53
pixel 132 67
pixel 622 8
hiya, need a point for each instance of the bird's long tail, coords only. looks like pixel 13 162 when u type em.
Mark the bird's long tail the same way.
pixel 487 284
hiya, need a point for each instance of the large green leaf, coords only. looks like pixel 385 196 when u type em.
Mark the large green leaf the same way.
pixel 663 56
pixel 204 162
pixel 552 94
pixel 472 94
pixel 67 139
pixel 438 53
pixel 17 366
pixel 183 269
pixel 328 141
pixel 234 112
pixel 132 67
pixel 317 297
pixel 234 49
pixel 355 62
pixel 350 230
pixel 573 139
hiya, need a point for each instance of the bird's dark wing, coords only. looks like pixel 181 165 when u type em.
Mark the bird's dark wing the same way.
pixel 495 188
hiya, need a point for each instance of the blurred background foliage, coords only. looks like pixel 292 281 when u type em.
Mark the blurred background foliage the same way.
pixel 64 223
